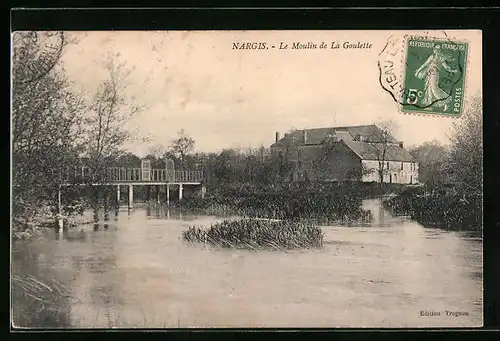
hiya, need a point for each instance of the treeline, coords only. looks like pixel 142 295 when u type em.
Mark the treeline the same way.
pixel 228 166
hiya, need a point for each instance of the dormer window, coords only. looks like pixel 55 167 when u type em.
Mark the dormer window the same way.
pixel 359 137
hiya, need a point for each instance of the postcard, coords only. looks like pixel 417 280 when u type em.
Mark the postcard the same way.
pixel 247 179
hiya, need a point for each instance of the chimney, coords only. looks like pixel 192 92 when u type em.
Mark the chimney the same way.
pixel 305 136
pixel 401 145
pixel 277 136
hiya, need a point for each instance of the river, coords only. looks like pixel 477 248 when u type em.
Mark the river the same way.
pixel 136 272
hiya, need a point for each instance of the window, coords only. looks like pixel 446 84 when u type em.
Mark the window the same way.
pixel 299 164
pixel 280 154
pixel 299 153
pixel 387 164
pixel 401 166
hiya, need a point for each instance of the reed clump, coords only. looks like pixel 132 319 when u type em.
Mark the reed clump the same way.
pixel 40 303
pixel 250 233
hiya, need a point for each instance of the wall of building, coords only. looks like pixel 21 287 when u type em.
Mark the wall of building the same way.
pixel 341 164
pixel 305 159
pixel 397 172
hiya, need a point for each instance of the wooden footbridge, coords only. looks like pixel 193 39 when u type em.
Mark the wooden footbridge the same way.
pixel 130 177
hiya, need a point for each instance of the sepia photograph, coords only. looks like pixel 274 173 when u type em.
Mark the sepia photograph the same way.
pixel 246 179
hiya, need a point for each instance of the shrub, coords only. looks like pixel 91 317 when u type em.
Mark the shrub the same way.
pixel 452 212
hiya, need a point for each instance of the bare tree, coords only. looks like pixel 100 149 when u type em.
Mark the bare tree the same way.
pixel 157 154
pixel 182 145
pixel 157 151
pixel 381 140
pixel 104 132
pixel 261 152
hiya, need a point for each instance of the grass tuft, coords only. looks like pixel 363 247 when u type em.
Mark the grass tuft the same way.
pixel 257 234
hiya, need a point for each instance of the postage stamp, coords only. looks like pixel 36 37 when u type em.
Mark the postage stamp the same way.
pixel 425 72
pixel 434 76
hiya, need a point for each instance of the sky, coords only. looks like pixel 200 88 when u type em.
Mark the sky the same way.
pixel 234 98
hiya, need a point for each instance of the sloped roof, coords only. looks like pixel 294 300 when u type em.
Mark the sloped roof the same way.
pixel 318 135
pixel 372 151
pixel 367 150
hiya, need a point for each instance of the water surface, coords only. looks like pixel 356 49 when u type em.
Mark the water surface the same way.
pixel 136 272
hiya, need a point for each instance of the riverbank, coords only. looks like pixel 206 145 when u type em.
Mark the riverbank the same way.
pixel 446 210
pixel 317 202
pixel 31 219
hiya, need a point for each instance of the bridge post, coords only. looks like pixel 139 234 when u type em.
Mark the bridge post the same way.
pixel 59 209
pixel 180 192
pixel 130 196
pixel 118 194
pixel 167 190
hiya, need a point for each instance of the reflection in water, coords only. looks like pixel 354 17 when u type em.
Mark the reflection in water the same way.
pixel 138 273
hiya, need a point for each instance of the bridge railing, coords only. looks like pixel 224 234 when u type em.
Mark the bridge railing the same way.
pixel 123 174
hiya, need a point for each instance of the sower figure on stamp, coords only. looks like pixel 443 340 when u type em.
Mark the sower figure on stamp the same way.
pixel 433 94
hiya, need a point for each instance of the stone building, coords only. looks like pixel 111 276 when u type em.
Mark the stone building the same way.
pixel 351 153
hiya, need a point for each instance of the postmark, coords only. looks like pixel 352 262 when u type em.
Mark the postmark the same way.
pixel 425 74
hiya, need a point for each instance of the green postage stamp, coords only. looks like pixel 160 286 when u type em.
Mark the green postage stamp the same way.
pixel 434 76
